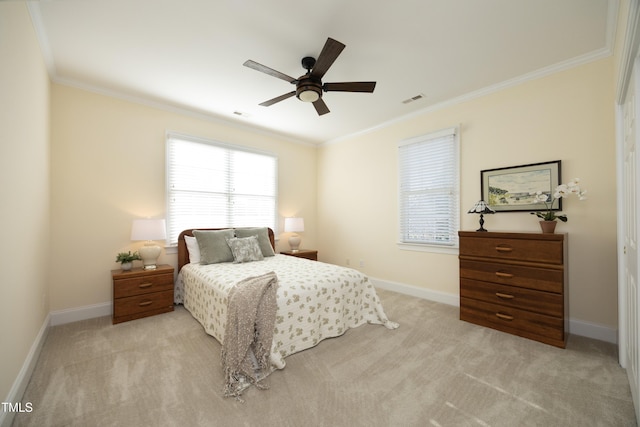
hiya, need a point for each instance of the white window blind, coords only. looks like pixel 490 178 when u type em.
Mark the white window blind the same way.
pixel 429 189
pixel 215 185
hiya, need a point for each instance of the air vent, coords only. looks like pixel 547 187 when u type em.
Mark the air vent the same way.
pixel 413 98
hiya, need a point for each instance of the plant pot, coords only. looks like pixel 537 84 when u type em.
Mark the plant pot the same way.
pixel 126 266
pixel 548 226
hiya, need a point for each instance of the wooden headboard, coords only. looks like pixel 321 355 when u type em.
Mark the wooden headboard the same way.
pixel 183 253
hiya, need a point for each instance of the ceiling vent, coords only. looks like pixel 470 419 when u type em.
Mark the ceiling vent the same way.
pixel 413 98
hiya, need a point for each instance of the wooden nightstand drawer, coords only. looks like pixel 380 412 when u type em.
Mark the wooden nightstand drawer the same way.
pixel 141 293
pixel 138 304
pixel 514 275
pixel 542 250
pixel 518 322
pixel 142 285
pixel 546 303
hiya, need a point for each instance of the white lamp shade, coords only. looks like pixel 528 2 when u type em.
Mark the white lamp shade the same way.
pixel 148 229
pixel 293 225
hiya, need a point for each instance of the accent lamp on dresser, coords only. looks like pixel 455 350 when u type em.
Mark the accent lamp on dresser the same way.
pixel 516 283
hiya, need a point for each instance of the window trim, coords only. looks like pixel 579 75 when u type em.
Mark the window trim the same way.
pixel 225 145
pixel 431 247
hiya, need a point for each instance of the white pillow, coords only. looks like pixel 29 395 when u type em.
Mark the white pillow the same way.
pixel 193 248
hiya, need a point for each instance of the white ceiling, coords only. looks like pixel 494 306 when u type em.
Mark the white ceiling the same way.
pixel 189 53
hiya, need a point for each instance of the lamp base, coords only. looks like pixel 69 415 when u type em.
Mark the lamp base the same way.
pixel 149 254
pixel 481 224
pixel 294 242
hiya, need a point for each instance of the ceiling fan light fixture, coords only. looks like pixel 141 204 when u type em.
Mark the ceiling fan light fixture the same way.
pixel 308 95
pixel 309 87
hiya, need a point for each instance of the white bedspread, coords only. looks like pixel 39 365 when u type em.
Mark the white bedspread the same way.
pixel 315 300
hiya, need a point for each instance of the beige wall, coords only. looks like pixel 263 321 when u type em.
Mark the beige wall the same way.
pixel 24 193
pixel 69 196
pixel 108 167
pixel 566 116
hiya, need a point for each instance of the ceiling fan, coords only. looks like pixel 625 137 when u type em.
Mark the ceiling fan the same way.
pixel 309 87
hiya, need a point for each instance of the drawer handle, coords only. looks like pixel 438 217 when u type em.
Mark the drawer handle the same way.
pixel 145 285
pixel 505 275
pixel 504 296
pixel 145 303
pixel 504 316
pixel 504 249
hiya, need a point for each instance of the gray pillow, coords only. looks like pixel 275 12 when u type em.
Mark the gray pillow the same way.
pixel 213 245
pixel 245 249
pixel 263 238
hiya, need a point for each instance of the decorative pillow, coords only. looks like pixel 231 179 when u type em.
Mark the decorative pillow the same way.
pixel 263 238
pixel 193 249
pixel 213 245
pixel 245 249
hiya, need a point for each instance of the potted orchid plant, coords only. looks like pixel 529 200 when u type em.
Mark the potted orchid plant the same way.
pixel 548 216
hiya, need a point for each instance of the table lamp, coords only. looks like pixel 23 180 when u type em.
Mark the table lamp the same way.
pixel 294 225
pixel 149 230
pixel 481 208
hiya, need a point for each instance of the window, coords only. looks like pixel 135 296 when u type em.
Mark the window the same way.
pixel 429 191
pixel 215 185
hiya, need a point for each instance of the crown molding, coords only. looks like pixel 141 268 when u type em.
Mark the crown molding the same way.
pixel 612 17
pixel 630 50
pixel 534 75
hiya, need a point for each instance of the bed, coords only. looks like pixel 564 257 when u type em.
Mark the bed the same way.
pixel 315 300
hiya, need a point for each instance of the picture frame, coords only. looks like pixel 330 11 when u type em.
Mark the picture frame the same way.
pixel 513 189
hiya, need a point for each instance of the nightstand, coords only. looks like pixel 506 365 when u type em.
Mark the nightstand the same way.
pixel 140 293
pixel 303 253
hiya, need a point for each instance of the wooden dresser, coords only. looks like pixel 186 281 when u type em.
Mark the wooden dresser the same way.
pixel 141 293
pixel 516 283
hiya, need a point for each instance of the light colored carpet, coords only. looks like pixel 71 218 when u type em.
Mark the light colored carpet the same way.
pixel 435 370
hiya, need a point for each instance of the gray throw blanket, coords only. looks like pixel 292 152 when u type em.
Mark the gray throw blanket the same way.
pixel 248 335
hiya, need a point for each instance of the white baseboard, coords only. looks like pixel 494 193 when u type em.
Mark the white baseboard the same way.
pixel 576 327
pixel 69 315
pixel 416 291
pixel 593 330
pixel 60 317
pixel 54 318
pixel 22 380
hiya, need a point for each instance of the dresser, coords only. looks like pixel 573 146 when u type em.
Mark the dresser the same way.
pixel 516 283
pixel 140 293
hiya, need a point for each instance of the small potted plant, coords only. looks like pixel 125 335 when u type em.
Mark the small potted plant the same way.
pixel 126 259
pixel 548 216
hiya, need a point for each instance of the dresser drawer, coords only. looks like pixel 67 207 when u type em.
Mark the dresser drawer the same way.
pixel 515 275
pixel 143 303
pixel 529 250
pixel 519 322
pixel 142 285
pixel 546 303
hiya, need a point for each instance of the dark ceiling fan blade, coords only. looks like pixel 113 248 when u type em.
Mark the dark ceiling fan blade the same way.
pixel 278 99
pixel 332 48
pixel 321 107
pixel 349 87
pixel 270 71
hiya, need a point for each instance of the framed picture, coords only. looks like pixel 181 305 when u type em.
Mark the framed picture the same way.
pixel 513 188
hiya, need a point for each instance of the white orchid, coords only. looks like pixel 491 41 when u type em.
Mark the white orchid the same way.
pixel 572 187
pixel 562 190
